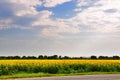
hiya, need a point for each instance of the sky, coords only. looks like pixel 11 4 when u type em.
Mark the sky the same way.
pixel 59 27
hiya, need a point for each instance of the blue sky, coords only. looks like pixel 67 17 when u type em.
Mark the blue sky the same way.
pixel 62 27
pixel 65 10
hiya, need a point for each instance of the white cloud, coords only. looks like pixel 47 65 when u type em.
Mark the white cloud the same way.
pixel 12 11
pixel 102 16
pixel 81 3
pixel 50 33
pixel 43 18
pixel 24 11
pixel 53 3
pixel 21 7
pixel 109 4
pixel 96 17
pixel 25 7
pixel 55 27
pixel 56 32
pixel 5 23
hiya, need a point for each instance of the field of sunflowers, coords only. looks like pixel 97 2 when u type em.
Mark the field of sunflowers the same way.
pixel 58 66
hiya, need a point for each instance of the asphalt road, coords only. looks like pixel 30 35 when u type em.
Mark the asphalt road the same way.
pixel 81 77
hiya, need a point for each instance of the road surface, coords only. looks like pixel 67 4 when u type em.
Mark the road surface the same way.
pixel 80 77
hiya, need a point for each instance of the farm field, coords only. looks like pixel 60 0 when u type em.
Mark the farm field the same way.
pixel 8 67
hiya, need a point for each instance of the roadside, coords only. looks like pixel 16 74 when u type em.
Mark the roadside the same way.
pixel 78 77
pixel 32 75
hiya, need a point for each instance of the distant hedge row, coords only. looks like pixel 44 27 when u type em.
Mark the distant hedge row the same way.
pixel 59 57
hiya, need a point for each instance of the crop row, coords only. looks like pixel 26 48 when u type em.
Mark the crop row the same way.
pixel 58 66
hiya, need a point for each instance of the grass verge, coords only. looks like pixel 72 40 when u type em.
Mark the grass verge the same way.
pixel 31 75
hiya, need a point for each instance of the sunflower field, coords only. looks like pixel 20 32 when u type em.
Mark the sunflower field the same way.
pixel 58 66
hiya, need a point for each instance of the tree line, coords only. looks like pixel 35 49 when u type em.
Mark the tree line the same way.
pixel 59 57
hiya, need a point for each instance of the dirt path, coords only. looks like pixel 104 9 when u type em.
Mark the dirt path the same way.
pixel 81 77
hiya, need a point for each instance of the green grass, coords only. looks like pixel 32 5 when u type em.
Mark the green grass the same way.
pixel 31 75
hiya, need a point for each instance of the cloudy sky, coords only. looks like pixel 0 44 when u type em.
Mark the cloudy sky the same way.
pixel 62 27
